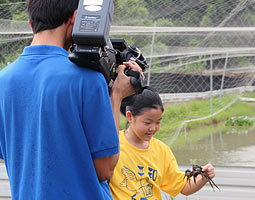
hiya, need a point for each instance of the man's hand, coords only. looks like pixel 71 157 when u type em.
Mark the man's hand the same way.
pixel 134 66
pixel 122 86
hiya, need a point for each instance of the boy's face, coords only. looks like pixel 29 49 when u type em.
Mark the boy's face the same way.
pixel 145 125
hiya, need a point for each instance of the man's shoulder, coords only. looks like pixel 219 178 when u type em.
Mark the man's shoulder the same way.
pixel 5 70
pixel 89 75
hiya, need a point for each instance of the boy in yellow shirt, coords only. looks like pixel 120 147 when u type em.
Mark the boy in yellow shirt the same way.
pixel 146 165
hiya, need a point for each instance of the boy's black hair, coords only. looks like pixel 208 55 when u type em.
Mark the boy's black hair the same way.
pixel 149 98
pixel 49 14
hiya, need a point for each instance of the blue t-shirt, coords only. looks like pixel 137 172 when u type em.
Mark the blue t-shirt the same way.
pixel 55 118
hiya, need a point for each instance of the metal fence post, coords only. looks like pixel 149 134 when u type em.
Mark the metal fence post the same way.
pixel 223 78
pixel 152 46
pixel 211 83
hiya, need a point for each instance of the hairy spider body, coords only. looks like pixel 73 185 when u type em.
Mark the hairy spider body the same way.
pixel 196 170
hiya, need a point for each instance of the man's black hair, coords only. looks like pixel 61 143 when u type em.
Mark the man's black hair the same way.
pixel 49 14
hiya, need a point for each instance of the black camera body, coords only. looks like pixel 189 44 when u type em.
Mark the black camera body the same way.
pixel 124 53
pixel 92 47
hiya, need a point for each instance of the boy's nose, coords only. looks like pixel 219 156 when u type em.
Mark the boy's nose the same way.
pixel 152 128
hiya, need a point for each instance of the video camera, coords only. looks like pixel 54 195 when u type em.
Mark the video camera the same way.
pixel 93 48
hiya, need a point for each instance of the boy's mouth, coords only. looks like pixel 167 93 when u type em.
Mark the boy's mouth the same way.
pixel 149 134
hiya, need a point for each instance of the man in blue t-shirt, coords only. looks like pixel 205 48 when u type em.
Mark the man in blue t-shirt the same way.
pixel 58 124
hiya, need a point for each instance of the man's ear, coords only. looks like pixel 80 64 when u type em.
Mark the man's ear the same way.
pixel 129 116
pixel 29 22
pixel 73 17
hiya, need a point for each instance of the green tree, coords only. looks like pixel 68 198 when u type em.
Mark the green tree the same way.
pixel 10 47
pixel 131 12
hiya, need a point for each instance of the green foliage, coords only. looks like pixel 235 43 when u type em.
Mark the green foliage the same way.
pixel 20 16
pixel 175 114
pixel 15 48
pixel 249 94
pixel 10 1
pixel 164 22
pixel 158 48
pixel 8 55
pixel 194 66
pixel 208 17
pixel 184 19
pixel 248 15
pixel 240 61
pixel 142 12
pixel 239 121
pixel 126 11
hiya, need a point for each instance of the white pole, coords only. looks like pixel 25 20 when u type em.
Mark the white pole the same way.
pixel 152 46
pixel 211 83
pixel 223 77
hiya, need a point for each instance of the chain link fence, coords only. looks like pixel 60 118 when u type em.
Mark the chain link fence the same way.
pixel 15 33
pixel 195 49
pixel 203 49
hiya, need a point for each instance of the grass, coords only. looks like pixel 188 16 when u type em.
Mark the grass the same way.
pixel 249 94
pixel 194 135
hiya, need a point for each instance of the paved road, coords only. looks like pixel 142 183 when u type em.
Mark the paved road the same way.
pixel 4 184
pixel 236 183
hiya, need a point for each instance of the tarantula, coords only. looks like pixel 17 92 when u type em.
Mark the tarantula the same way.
pixel 196 170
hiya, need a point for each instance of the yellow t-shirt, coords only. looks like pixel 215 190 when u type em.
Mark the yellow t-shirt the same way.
pixel 141 173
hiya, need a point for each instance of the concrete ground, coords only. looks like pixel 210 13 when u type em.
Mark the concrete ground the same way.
pixel 235 183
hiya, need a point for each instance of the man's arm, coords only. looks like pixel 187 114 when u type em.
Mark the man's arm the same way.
pixel 1 155
pixel 105 166
pixel 121 89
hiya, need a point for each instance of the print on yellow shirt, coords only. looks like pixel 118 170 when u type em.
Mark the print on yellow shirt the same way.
pixel 143 189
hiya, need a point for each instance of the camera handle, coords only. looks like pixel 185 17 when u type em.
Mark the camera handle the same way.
pixel 136 81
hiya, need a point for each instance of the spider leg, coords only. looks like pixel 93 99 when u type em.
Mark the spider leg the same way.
pixel 194 177
pixel 214 183
pixel 211 185
pixel 188 174
pixel 211 182
pixel 203 176
pixel 195 174
pixel 189 180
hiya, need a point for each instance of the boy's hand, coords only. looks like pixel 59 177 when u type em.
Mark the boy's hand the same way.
pixel 209 169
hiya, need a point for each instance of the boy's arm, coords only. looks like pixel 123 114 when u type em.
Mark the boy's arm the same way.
pixel 192 187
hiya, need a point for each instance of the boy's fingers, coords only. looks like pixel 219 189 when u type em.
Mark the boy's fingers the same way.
pixel 209 169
